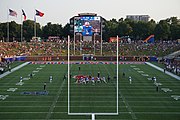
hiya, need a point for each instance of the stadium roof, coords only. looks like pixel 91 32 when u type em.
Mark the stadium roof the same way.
pixel 87 14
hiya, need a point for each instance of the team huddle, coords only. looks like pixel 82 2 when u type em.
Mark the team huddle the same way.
pixel 82 79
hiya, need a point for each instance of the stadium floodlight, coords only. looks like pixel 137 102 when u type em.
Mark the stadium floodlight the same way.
pixel 92 114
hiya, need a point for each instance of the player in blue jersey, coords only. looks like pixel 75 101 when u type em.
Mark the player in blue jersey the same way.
pixel 87 29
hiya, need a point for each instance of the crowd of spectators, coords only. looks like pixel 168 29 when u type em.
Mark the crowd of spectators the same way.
pixel 138 48
pixel 59 48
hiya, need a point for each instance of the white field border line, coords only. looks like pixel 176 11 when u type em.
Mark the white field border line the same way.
pixel 55 101
pixel 14 69
pixel 162 70
pixel 128 106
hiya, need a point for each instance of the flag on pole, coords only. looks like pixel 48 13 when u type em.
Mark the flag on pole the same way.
pixel 23 13
pixel 38 13
pixel 12 13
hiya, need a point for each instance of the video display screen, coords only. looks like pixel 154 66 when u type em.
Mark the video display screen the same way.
pixel 87 25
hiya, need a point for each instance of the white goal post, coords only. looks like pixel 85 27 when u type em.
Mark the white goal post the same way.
pixel 93 114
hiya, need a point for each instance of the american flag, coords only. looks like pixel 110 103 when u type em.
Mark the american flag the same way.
pixel 12 13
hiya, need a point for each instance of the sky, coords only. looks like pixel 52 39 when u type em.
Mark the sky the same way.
pixel 60 11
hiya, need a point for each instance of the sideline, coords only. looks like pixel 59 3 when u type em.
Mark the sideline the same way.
pixel 14 69
pixel 162 70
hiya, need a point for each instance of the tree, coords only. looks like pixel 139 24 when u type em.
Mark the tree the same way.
pixel 28 29
pixel 52 30
pixel 174 28
pixel 162 30
pixel 66 30
pixel 14 31
pixel 1 31
pixel 123 28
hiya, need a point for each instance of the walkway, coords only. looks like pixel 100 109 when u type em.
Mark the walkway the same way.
pixel 14 69
pixel 162 70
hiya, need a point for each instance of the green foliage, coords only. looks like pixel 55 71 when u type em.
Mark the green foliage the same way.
pixel 162 30
pixel 52 30
pixel 168 29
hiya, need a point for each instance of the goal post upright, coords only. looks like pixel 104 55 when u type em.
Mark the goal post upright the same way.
pixel 117 73
pixel 68 75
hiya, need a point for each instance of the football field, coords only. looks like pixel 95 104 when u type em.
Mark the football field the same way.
pixel 138 100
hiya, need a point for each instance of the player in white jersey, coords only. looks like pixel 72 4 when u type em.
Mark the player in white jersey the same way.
pixel 130 80
pixel 50 79
pixel 98 80
pixel 83 80
pixel 103 79
pixel 21 79
pixel 154 80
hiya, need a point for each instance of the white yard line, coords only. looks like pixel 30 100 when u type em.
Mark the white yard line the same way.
pixel 14 69
pixel 162 70
pixel 55 101
pixel 169 113
pixel 128 107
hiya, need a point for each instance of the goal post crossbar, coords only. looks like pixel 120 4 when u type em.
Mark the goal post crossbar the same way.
pixel 93 113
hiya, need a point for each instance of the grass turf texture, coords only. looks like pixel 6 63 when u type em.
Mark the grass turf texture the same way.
pixel 138 100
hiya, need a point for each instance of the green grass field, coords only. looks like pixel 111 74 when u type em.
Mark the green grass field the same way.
pixel 139 100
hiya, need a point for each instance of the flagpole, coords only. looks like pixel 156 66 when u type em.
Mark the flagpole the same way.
pixel 21 28
pixel 8 25
pixel 94 44
pixel 35 26
pixel 101 39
